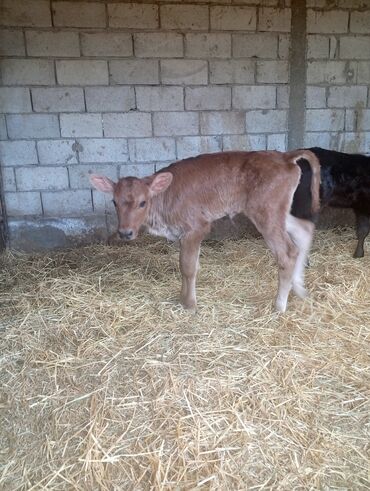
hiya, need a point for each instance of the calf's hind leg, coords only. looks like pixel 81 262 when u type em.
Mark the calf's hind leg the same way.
pixel 286 253
pixel 362 229
pixel 301 232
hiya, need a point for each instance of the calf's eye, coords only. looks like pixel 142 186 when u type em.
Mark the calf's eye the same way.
pixel 114 202
pixel 142 204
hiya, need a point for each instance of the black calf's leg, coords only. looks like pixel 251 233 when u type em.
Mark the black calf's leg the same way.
pixel 362 229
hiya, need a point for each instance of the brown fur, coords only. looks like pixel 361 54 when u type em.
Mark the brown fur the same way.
pixel 181 202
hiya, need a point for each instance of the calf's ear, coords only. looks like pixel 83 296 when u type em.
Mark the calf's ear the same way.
pixel 102 183
pixel 160 182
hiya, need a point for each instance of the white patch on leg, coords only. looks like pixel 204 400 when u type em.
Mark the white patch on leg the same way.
pixel 281 303
pixel 301 232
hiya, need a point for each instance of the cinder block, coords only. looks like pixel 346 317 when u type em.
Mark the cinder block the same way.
pixel 320 139
pixel 32 126
pixel 226 18
pixel 318 46
pixel 355 47
pixel 57 152
pixel 247 143
pixel 315 97
pixel 254 97
pixel 159 98
pixel 36 234
pixel 33 13
pixel 273 72
pixel 103 150
pixel 363 75
pixel 110 99
pixel 328 22
pixel 82 72
pixel 277 142
pixel 106 44
pixel 161 165
pixel 37 178
pixel 77 125
pixel 273 19
pixel 79 174
pixel 127 124
pixel 102 203
pixel 354 142
pixel 18 152
pixel 79 14
pixel 190 146
pixel 15 100
pixel 8 179
pixel 258 45
pixel 58 100
pixel 269 121
pixel 188 72
pixel 67 203
pixel 133 15
pixel 149 149
pixel 19 204
pixel 187 17
pixel 138 170
pixel 208 45
pixel 363 120
pixel 27 72
pixel 158 45
pixel 203 98
pixel 176 123
pixel 232 71
pixel 134 71
pixel 354 96
pixel 3 132
pixel 282 97
pixel 331 72
pixel 11 43
pixel 222 123
pixel 350 120
pixel 360 22
pixel 325 120
pixel 284 46
pixel 55 43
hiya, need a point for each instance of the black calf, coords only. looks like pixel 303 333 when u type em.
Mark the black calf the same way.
pixel 345 183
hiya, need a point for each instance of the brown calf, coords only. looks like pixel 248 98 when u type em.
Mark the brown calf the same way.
pixel 181 202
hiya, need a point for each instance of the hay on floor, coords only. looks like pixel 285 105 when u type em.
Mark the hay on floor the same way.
pixel 107 384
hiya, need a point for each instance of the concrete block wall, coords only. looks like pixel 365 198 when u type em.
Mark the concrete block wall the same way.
pixel 338 75
pixel 125 88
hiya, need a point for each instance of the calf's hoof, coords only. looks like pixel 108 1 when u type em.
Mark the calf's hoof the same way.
pixel 189 305
pixel 358 254
pixel 280 305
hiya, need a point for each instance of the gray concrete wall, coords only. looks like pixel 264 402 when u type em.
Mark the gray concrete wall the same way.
pixel 126 88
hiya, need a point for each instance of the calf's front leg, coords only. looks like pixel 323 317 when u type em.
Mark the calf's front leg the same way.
pixel 189 264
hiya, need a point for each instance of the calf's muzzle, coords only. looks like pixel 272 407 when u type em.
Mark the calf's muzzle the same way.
pixel 126 234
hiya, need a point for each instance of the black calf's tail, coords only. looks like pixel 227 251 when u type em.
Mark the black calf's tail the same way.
pixel 304 204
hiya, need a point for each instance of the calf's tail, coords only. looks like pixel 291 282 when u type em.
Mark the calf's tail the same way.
pixel 314 164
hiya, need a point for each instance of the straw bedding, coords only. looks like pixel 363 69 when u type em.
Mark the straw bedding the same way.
pixel 107 384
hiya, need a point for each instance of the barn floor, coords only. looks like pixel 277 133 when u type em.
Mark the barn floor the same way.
pixel 107 384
